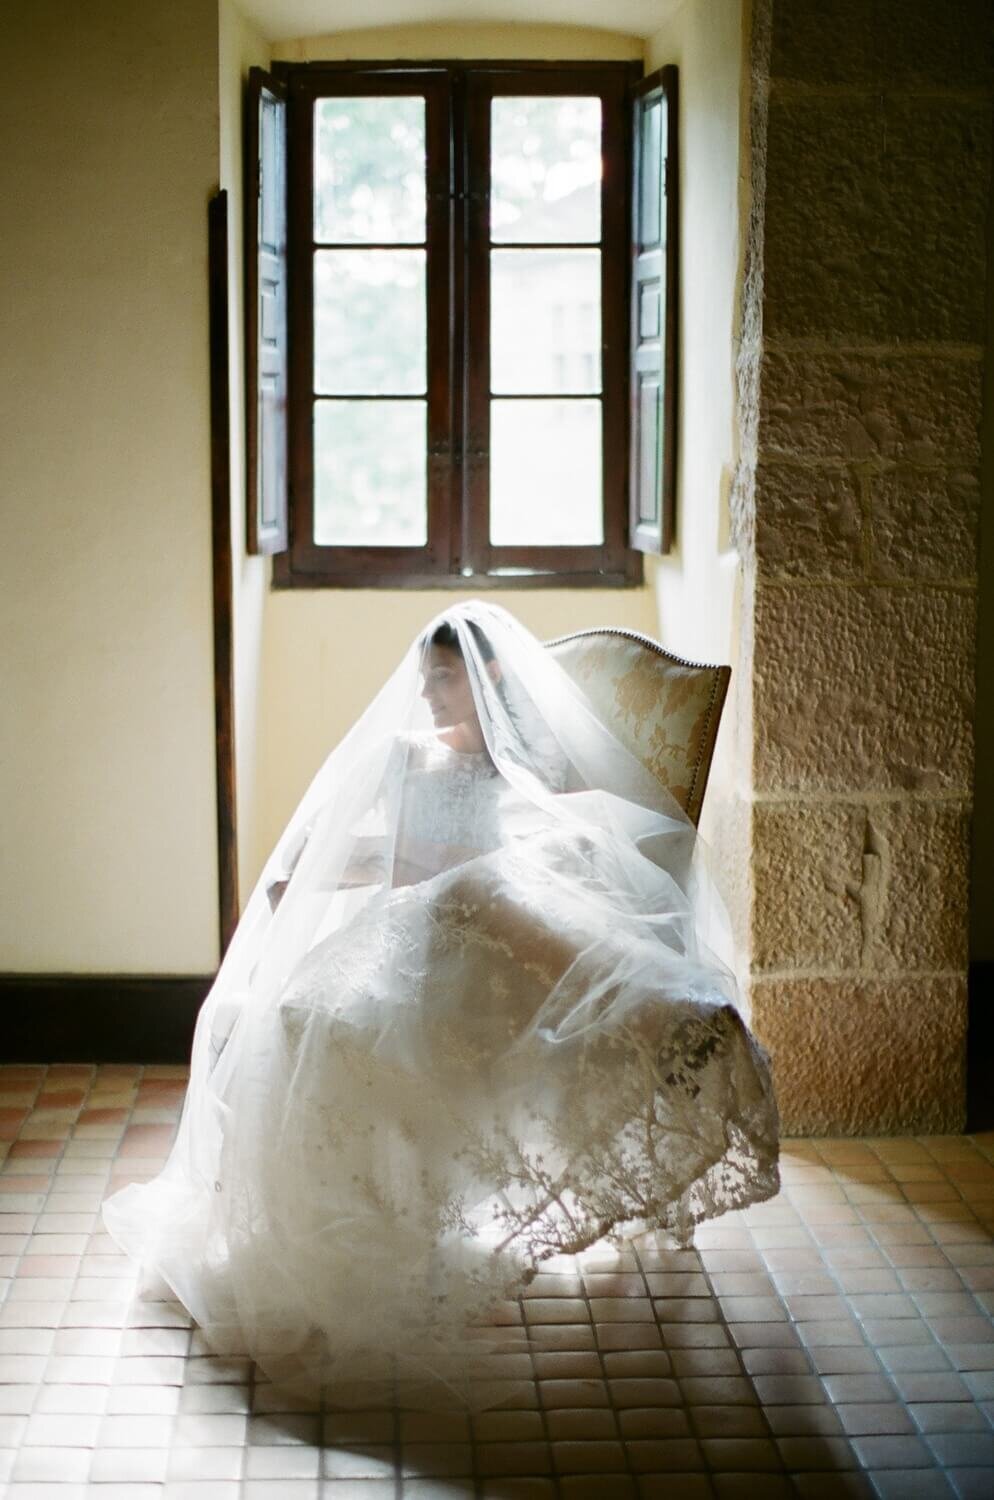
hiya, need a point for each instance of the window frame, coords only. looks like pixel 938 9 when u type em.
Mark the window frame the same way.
pixel 458 553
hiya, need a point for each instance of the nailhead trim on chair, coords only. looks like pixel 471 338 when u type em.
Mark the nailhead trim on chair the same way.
pixel 634 635
pixel 680 661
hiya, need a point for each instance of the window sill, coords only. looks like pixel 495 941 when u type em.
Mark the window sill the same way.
pixel 631 577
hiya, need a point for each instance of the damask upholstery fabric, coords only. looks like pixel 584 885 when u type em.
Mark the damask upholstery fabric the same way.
pixel 664 710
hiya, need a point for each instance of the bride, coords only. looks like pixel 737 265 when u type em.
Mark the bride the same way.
pixel 466 1022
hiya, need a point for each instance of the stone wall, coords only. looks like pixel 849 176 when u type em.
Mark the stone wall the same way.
pixel 861 372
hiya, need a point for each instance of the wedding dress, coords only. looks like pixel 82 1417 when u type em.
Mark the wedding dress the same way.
pixel 479 1029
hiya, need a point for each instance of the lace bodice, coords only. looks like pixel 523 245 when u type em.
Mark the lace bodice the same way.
pixel 453 805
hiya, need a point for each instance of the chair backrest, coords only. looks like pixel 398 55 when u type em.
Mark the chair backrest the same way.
pixel 666 711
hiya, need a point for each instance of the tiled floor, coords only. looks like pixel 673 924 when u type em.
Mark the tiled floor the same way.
pixel 835 1342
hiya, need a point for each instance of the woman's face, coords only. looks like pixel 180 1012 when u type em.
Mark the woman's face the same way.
pixel 446 689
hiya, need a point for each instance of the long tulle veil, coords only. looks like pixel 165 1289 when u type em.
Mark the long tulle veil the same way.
pixel 355 1040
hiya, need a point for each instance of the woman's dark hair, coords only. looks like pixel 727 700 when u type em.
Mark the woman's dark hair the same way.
pixel 447 636
pixel 549 764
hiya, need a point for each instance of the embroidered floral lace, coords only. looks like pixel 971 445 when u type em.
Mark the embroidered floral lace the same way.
pixel 479 1030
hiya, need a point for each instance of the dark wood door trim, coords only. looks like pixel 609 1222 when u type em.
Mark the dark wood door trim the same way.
pixel 224 691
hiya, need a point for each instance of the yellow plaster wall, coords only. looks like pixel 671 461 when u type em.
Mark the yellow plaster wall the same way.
pixel 698 586
pixel 471 40
pixel 695 583
pixel 108 159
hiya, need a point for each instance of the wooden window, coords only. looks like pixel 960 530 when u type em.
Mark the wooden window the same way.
pixel 546 361
pixel 655 241
pixel 266 334
pixel 373 451
pixel 460 273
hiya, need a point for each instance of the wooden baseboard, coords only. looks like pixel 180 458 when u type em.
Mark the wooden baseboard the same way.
pixel 134 1018
pixel 222 567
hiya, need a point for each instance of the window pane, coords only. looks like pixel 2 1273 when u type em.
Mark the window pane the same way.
pixel 369 322
pixel 369 170
pixel 370 474
pixel 545 164
pixel 545 473
pixel 545 320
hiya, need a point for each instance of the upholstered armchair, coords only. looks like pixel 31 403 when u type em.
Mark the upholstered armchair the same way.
pixel 665 710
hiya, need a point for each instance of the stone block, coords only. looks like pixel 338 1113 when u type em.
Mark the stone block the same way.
pixel 862 689
pixel 807 864
pixel 929 241
pixel 809 522
pixel 916 897
pixel 820 273
pixel 823 41
pixel 908 408
pixel 920 43
pixel 857 1056
pixel 860 241
pixel 924 524
pixel 895 43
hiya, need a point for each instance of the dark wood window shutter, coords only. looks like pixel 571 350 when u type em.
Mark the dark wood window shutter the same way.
pixel 266 341
pixel 655 246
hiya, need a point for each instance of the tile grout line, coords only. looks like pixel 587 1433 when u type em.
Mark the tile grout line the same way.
pixel 543 1414
pixel 585 1296
pixel 29 1235
pixel 708 1472
pixel 6 1300
pixel 739 1359
pixel 845 1296
pixel 872 1345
